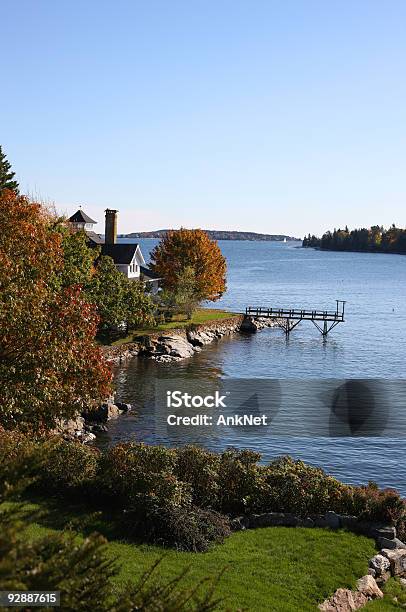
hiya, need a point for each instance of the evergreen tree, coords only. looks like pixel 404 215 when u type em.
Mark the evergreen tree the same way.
pixel 6 175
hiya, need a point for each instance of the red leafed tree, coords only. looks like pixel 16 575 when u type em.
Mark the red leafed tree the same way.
pixel 50 366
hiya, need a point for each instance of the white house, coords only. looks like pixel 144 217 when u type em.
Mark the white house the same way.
pixel 127 256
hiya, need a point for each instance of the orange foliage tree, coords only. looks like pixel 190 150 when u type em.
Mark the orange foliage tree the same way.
pixel 50 366
pixel 184 248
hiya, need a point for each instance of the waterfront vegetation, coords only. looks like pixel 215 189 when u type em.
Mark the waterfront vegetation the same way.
pixel 150 503
pixel 376 239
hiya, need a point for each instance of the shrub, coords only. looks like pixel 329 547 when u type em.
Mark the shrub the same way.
pixel 241 482
pixel 200 469
pixel 374 504
pixel 138 476
pixel 293 486
pixel 187 528
pixel 67 468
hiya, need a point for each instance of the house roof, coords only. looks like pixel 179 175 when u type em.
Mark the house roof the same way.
pixel 121 253
pixel 80 217
pixel 94 238
pixel 148 273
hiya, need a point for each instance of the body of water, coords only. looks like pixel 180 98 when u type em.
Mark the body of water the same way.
pixel 369 345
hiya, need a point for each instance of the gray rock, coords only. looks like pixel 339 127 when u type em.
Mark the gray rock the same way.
pixel 397 560
pixel 253 324
pixel 379 563
pixel 87 437
pixel 70 427
pixel 239 523
pixel 388 532
pixel 123 406
pixel 306 522
pixel 174 346
pixel 333 520
pixel 319 520
pixel 349 522
pixel 367 586
pixel 104 413
pixel 390 544
pixel 403 582
pixel 273 519
pixel 201 337
pixel 371 572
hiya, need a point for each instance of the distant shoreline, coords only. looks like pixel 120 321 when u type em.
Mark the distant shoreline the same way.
pixel 221 235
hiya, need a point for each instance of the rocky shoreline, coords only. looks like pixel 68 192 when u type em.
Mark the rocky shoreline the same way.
pixel 182 343
pixel 176 345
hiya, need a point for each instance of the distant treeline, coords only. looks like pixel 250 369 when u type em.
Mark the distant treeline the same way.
pixel 217 235
pixel 375 239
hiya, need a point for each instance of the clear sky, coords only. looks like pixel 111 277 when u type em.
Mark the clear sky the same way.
pixel 278 116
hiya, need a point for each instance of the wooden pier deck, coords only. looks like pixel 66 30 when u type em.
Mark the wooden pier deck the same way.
pixel 289 318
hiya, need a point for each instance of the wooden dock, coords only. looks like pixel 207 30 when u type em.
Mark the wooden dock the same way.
pixel 289 318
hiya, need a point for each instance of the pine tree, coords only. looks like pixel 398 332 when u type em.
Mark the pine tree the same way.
pixel 6 175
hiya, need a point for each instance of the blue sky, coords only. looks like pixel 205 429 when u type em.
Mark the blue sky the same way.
pixel 271 116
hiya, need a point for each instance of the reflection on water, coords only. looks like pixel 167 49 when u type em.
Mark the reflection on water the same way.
pixel 370 344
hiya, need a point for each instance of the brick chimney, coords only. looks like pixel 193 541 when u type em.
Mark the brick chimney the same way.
pixel 110 232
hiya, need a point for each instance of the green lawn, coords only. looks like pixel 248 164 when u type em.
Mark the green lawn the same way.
pixel 280 569
pixel 201 315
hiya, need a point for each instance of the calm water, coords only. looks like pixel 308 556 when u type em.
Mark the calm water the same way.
pixel 370 344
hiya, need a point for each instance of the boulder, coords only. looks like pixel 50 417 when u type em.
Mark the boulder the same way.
pixel 379 564
pixel 344 600
pixel 403 582
pixel 123 406
pixel 397 559
pixel 201 337
pixel 333 520
pixel 319 520
pixel 238 523
pixel 388 532
pixel 253 324
pixel 273 519
pixel 390 544
pixel 174 346
pixel 104 413
pixel 367 586
pixel 70 427
pixel 349 522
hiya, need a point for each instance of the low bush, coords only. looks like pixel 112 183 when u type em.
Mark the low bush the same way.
pixel 136 476
pixel 293 486
pixel 374 504
pixel 67 468
pixel 187 528
pixel 200 469
pixel 241 482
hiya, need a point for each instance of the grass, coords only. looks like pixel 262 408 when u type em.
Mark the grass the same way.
pixel 201 315
pixel 274 569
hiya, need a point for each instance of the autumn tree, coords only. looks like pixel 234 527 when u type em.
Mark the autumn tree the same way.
pixel 6 174
pixel 50 366
pixel 180 249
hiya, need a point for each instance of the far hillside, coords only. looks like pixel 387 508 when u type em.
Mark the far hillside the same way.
pixel 218 235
